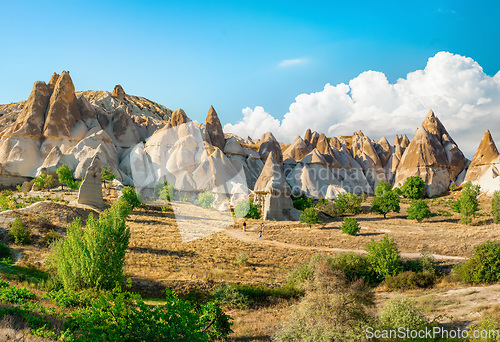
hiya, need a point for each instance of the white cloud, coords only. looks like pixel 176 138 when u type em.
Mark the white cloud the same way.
pixel 465 99
pixel 291 62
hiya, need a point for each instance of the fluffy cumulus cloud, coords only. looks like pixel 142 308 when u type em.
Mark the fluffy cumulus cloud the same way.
pixel 464 98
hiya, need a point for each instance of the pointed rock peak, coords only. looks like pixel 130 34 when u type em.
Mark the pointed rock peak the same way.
pixel 118 92
pixel 385 144
pixel 397 140
pixel 405 142
pixel 335 143
pixel 308 135
pixel 432 124
pixel 213 130
pixel 179 117
pixel 487 151
pixel 297 150
pixel 53 80
pixel 232 146
pixel 314 157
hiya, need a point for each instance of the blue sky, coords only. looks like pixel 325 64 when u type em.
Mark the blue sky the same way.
pixel 235 54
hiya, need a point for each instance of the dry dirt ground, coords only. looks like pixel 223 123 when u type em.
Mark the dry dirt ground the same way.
pixel 157 258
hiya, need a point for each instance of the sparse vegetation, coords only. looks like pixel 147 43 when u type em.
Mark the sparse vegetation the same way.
pixel 495 206
pixel 43 182
pixel 309 216
pixel 247 209
pixel 19 232
pixel 106 175
pixel 303 202
pixel 65 177
pixel 418 210
pixel 413 187
pixel 350 226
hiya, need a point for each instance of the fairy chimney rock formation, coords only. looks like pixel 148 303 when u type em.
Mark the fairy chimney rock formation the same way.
pixel 179 117
pixel 90 192
pixel 213 129
pixel 118 92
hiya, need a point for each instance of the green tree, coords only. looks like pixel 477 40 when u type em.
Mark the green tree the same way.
pixel 418 210
pixel 247 209
pixel 93 257
pixel 19 232
pixel 205 199
pixel 303 202
pixel 44 182
pixel 495 206
pixel 349 203
pixel 65 176
pixel 129 195
pixel 106 175
pixel 384 257
pixel 468 204
pixel 413 187
pixel 309 216
pixel 385 199
pixel 350 226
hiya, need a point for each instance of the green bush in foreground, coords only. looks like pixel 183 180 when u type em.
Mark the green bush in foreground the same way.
pixel 402 312
pixel 247 209
pixel 384 257
pixel 93 257
pixel 120 316
pixel 418 210
pixel 129 195
pixel 468 204
pixel 309 216
pixel 19 232
pixel 4 251
pixel 483 266
pixel 350 226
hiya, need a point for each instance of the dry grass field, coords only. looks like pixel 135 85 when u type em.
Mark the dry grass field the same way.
pixel 157 258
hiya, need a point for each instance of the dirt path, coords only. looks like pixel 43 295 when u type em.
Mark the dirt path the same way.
pixel 251 236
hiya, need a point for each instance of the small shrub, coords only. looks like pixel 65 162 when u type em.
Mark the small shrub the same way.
pixel 247 209
pixel 5 252
pixel 309 216
pixel 303 202
pixel 350 226
pixel 51 236
pixel 413 187
pixel 354 266
pixel 43 182
pixel 164 191
pixel 452 186
pixel 242 258
pixel 401 312
pixel 384 257
pixel 349 203
pixel 409 280
pixel 488 324
pixel 418 210
pixel 468 204
pixel 483 266
pixel 205 199
pixel 229 296
pixel 129 195
pixel 495 206
pixel 106 175
pixel 65 176
pixel 16 295
pixel 19 232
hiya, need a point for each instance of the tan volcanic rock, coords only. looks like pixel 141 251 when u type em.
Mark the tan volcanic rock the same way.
pixel 297 150
pixel 213 130
pixel 118 92
pixel 179 117
pixel 405 142
pixel 484 168
pixel 268 144
pixel 383 149
pixel 63 111
pixel 90 192
pixel 335 143
pixel 432 155
pixel 53 80
pixel 314 157
pixel 31 119
pixel 308 136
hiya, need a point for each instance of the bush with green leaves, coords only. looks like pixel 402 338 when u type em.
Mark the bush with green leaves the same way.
pixel 468 204
pixel 354 266
pixel 350 226
pixel 303 202
pixel 349 203
pixel 229 296
pixel 65 177
pixel 106 175
pixel 483 266
pixel 495 206
pixel 6 202
pixel 5 251
pixel 385 199
pixel 119 316
pixel 19 232
pixel 247 209
pixel 309 216
pixel 93 257
pixel 206 199
pixel 129 195
pixel 164 191
pixel 452 186
pixel 401 312
pixel 43 182
pixel 410 280
pixel 384 257
pixel 418 210
pixel 51 236
pixel 413 187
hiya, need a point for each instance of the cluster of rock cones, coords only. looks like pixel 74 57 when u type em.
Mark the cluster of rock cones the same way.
pixel 144 143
